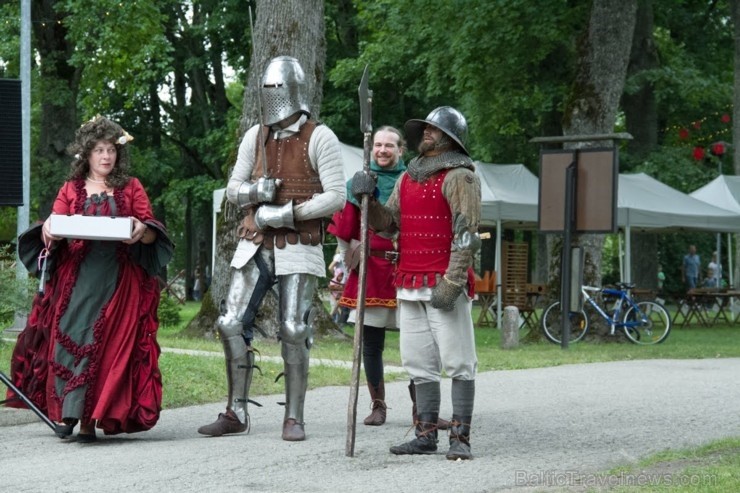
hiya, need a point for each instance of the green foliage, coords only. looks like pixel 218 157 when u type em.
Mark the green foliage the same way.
pixel 491 65
pixel 10 39
pixel 169 311
pixel 121 47
pixel 15 294
pixel 675 167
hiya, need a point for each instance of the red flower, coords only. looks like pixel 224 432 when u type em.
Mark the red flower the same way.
pixel 683 133
pixel 725 118
pixel 718 148
pixel 698 153
pixel 697 124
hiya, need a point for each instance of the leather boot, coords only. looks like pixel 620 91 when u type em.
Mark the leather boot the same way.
pixel 442 424
pixel 426 438
pixel 377 415
pixel 239 368
pixel 459 438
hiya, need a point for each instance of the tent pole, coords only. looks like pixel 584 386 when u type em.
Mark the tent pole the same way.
pixel 730 273
pixel 498 274
pixel 628 254
pixel 620 254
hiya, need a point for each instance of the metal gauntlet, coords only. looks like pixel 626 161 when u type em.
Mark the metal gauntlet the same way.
pixel 263 190
pixel 275 216
pixel 363 183
pixel 445 294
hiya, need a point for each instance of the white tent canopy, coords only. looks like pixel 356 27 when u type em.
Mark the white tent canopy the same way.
pixel 509 193
pixel 644 202
pixel 724 192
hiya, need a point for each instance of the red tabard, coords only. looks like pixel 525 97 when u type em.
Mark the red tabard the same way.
pixel 426 232
pixel 379 286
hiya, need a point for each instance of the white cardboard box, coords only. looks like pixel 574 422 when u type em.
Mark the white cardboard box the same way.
pixel 91 227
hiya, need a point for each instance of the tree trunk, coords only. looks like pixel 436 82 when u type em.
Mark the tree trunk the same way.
pixel 644 260
pixel 640 107
pixel 58 100
pixel 294 28
pixel 603 56
pixel 735 14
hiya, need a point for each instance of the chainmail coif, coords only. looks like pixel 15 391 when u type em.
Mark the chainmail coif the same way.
pixel 422 167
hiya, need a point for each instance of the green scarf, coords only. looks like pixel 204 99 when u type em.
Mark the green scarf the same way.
pixel 386 181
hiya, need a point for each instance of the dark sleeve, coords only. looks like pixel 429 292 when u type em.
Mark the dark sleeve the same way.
pixel 30 246
pixel 154 256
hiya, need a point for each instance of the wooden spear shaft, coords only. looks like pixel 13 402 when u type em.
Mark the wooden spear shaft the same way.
pixel 366 127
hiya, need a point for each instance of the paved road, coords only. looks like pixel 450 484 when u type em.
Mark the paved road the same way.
pixel 540 426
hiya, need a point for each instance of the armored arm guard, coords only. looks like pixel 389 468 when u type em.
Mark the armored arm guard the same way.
pixel 275 216
pixel 263 190
pixel 464 246
pixel 462 190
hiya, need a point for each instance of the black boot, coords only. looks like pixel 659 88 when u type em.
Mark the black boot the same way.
pixel 459 438
pixel 442 424
pixel 426 438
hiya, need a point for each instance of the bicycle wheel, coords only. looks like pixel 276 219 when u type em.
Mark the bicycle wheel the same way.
pixel 649 322
pixel 552 324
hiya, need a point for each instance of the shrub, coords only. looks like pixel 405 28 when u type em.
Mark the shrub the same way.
pixel 169 311
pixel 15 294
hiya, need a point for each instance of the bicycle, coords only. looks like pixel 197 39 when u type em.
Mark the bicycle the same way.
pixel 643 322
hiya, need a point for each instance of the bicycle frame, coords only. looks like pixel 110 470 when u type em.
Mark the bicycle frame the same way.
pixel 614 320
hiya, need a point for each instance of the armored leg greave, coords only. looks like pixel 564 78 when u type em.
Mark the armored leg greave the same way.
pixel 296 359
pixel 248 286
pixel 296 296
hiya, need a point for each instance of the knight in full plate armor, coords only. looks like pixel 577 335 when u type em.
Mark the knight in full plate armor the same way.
pixel 435 208
pixel 285 184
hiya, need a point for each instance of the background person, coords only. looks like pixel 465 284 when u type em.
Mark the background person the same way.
pixel 710 281
pixel 690 268
pixel 336 286
pixel 89 353
pixel 661 279
pixel 716 270
pixel 435 206
pixel 281 237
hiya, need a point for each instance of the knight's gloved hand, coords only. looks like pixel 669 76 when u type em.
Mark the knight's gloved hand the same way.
pixel 263 190
pixel 363 183
pixel 274 216
pixel 445 294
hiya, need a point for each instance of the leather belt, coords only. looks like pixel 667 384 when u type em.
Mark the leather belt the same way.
pixel 391 255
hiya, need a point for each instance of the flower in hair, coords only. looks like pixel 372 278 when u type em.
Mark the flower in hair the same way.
pixel 125 138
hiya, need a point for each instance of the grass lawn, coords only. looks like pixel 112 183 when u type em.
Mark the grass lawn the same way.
pixel 190 379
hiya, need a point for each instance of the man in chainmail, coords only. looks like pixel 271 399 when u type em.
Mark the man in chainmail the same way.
pixel 435 208
pixel 288 176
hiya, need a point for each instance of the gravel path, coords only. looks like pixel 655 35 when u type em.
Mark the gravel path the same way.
pixel 532 429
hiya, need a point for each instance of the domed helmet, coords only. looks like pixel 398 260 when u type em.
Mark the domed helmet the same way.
pixel 284 90
pixel 447 119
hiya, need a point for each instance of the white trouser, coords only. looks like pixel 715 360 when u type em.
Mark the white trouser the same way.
pixel 433 340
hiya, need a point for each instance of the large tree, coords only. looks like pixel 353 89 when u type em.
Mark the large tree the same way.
pixel 593 102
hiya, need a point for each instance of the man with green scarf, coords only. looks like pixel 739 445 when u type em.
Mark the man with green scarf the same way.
pixel 380 297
